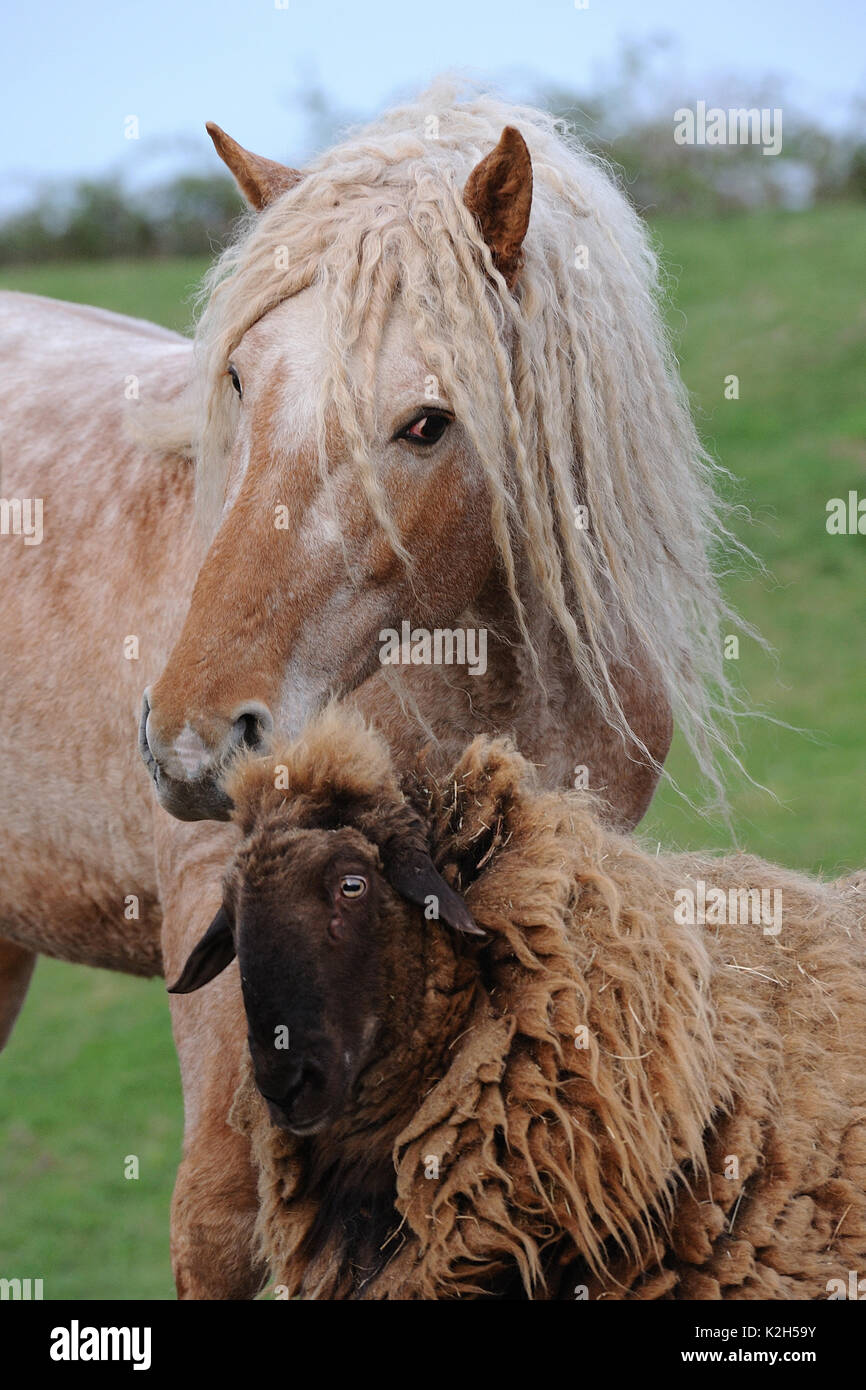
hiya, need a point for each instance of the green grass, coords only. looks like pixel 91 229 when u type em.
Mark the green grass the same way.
pixel 89 1080
pixel 159 290
pixel 90 1075
pixel 772 299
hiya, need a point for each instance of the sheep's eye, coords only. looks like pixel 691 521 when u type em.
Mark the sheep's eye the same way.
pixel 235 379
pixel 353 886
pixel 427 429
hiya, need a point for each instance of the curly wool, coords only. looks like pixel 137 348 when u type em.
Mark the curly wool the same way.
pixel 708 1141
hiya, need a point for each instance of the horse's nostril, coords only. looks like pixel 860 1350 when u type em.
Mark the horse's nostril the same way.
pixel 143 740
pixel 251 727
pixel 251 730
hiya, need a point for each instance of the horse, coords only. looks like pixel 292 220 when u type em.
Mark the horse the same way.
pixel 429 385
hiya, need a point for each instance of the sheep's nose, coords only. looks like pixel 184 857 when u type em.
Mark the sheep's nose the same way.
pixel 184 763
pixel 302 1103
pixel 301 1075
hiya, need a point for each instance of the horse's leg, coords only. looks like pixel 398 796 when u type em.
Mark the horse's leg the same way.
pixel 16 969
pixel 215 1198
pixel 215 1202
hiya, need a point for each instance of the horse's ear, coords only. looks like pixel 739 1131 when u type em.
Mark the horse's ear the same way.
pixel 414 875
pixel 211 956
pixel 499 193
pixel 260 180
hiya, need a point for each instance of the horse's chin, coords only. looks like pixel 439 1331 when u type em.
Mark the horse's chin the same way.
pixel 202 800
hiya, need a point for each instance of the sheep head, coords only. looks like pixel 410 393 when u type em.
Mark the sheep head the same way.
pixel 316 909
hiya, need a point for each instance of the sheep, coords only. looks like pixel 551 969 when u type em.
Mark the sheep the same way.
pixel 559 1088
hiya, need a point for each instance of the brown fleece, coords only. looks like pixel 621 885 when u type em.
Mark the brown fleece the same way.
pixel 708 1142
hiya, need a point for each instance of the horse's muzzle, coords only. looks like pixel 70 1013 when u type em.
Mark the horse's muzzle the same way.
pixel 198 798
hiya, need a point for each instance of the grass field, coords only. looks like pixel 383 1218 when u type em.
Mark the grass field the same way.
pixel 90 1075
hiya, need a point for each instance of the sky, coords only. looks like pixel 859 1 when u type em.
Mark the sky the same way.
pixel 73 73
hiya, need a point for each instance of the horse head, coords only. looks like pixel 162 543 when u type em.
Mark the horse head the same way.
pixel 353 491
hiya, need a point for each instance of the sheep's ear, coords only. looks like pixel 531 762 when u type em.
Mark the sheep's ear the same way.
pixel 415 876
pixel 212 954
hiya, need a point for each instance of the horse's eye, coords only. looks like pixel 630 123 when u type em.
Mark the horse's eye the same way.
pixel 236 381
pixel 353 886
pixel 427 429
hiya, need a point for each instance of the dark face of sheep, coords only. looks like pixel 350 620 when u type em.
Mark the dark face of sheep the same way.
pixel 318 929
pixel 311 974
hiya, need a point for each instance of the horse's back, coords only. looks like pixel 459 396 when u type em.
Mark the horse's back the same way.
pixel 96 548
pixel 24 313
pixel 52 350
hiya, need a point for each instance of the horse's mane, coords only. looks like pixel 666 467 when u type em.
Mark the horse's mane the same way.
pixel 568 388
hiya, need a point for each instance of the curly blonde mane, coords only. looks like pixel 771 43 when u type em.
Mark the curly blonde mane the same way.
pixel 567 389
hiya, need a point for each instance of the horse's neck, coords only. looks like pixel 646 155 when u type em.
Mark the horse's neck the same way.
pixel 542 706
pixel 452 703
pixel 554 720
